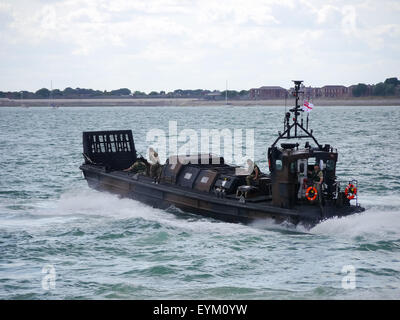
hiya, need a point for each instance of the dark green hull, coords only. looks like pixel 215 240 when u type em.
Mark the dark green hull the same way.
pixel 162 196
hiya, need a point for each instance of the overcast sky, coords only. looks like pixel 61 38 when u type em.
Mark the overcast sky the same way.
pixel 168 44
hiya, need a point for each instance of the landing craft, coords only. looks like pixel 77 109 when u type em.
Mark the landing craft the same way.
pixel 203 184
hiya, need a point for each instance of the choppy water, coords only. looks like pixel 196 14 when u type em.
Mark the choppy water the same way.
pixel 104 247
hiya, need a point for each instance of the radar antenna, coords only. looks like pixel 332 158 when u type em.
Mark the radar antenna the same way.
pixel 299 130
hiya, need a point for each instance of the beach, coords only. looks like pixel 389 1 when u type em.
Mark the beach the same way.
pixel 194 102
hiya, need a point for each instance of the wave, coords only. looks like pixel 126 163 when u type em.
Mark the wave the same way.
pixel 380 220
pixel 92 204
pixel 371 224
pixel 382 202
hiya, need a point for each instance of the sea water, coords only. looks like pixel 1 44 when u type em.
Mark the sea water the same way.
pixel 59 239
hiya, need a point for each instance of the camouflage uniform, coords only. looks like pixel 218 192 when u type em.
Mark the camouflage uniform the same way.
pixel 249 179
pixel 155 166
pixel 316 178
pixel 138 167
pixel 155 170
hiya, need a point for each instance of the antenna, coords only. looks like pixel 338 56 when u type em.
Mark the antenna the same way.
pixel 298 127
pixel 50 93
pixel 226 93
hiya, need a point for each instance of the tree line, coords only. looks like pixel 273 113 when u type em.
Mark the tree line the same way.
pixel 67 93
pixel 386 88
pixel 70 93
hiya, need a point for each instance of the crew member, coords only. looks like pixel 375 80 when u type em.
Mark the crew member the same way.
pixel 138 167
pixel 255 173
pixel 155 166
pixel 317 178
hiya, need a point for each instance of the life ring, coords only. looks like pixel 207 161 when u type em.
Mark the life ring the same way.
pixel 350 191
pixel 311 193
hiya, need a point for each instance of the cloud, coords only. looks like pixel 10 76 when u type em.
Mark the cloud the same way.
pixel 237 12
pixel 326 13
pixel 349 24
pixel 90 25
pixel 228 38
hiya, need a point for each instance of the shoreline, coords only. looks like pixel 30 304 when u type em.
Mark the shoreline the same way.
pixel 191 102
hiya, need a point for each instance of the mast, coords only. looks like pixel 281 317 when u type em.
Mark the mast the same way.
pixel 51 93
pixel 226 93
pixel 299 130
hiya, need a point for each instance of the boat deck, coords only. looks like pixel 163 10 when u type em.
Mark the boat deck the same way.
pixel 256 204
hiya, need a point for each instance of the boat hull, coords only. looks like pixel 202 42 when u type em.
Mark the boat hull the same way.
pixel 163 196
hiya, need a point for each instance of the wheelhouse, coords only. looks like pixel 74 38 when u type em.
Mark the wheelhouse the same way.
pixel 289 167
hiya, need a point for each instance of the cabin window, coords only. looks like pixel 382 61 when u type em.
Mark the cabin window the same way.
pixel 330 165
pixel 278 164
pixel 292 167
pixel 312 161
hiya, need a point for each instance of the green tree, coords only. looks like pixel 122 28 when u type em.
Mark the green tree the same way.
pixel 231 94
pixel 56 93
pixel 121 92
pixel 392 81
pixel 389 89
pixel 360 90
pixel 43 93
pixel 69 91
pixel 379 89
pixel 139 93
pixel 178 92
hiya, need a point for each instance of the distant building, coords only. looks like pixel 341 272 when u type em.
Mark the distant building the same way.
pixel 216 95
pixel 268 92
pixel 308 92
pixel 335 91
pixel 317 92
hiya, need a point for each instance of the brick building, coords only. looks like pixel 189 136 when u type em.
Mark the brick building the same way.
pixel 330 91
pixel 335 91
pixel 268 92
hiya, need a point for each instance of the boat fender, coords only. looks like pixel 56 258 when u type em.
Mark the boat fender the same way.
pixel 311 193
pixel 350 191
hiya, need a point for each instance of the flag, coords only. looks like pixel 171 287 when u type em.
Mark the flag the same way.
pixel 307 106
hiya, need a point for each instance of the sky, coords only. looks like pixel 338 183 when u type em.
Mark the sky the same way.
pixel 170 44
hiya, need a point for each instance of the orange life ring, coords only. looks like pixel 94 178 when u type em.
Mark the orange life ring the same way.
pixel 311 193
pixel 350 191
